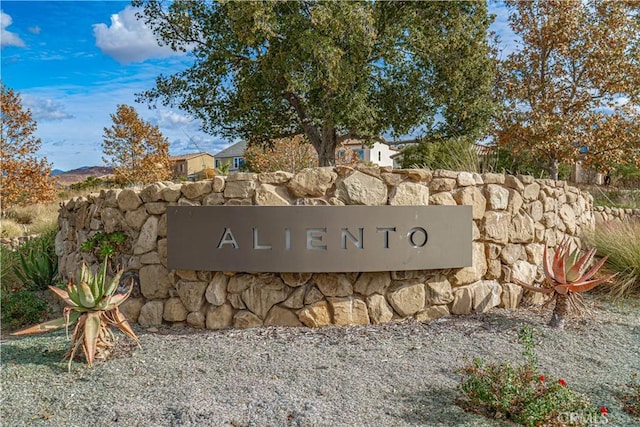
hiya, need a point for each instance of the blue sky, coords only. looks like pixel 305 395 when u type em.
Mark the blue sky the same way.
pixel 73 62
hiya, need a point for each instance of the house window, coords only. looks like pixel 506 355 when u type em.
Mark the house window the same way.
pixel 217 163
pixel 360 154
pixel 238 162
pixel 379 156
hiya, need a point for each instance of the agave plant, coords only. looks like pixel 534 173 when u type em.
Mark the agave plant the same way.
pixel 566 276
pixel 93 305
pixel 36 263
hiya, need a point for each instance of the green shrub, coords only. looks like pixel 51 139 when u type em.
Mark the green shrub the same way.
pixel 621 243
pixel 520 394
pixel 37 264
pixel 91 184
pixel 22 308
pixel 104 244
pixel 8 280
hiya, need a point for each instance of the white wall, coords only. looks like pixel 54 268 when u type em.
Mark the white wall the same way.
pixel 380 154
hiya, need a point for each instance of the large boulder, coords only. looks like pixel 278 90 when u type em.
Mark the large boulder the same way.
pixel 379 309
pixel 407 299
pixel 361 189
pixel 349 311
pixel 312 182
pixel 316 314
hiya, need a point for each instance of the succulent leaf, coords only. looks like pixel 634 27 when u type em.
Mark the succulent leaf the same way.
pixel 562 289
pixel 116 300
pixel 588 275
pixel 92 284
pixel 72 290
pixel 547 264
pixel 64 295
pixel 533 288
pixel 122 324
pixel 588 285
pixel 101 278
pixel 51 325
pixel 86 296
pixel 113 284
pixel 91 331
pixel 559 264
pixel 578 265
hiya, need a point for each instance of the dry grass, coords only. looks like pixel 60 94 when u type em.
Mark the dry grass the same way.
pixel 38 218
pixel 33 219
pixel 621 243
pixel 10 228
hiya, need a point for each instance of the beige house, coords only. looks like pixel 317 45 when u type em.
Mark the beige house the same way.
pixel 190 165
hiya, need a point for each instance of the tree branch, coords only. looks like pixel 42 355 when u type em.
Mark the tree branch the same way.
pixel 312 133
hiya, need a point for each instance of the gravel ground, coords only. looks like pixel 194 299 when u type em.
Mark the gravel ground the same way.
pixel 400 374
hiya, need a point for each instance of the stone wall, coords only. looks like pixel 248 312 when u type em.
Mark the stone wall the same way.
pixel 514 218
pixel 606 214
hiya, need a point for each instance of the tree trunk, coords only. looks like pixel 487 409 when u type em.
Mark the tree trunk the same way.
pixel 559 312
pixel 325 143
pixel 327 148
pixel 553 169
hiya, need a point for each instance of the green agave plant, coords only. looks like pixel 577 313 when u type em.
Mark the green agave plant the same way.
pixel 37 264
pixel 93 305
pixel 566 276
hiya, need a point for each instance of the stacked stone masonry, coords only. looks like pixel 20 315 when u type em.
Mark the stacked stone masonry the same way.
pixel 606 214
pixel 514 218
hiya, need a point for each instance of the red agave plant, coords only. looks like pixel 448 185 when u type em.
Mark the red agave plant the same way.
pixel 566 276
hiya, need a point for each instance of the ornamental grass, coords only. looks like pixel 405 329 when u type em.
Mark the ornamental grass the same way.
pixel 620 243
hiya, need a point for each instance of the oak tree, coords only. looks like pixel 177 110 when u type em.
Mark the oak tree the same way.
pixel 24 179
pixel 136 149
pixel 284 154
pixel 572 89
pixel 264 70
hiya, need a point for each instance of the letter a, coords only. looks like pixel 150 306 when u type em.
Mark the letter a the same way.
pixel 228 239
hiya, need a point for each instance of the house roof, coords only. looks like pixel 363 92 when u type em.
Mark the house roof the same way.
pixel 236 150
pixel 188 156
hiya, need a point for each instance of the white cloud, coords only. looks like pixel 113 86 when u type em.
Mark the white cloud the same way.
pixel 7 38
pixel 128 39
pixel 35 29
pixel 76 141
pixel 45 109
pixel 171 119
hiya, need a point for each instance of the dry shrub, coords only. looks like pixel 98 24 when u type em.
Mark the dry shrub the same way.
pixel 207 173
pixel 10 228
pixel 32 219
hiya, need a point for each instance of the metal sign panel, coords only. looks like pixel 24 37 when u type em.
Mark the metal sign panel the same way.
pixel 318 238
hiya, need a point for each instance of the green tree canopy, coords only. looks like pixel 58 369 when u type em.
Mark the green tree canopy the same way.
pixel 331 70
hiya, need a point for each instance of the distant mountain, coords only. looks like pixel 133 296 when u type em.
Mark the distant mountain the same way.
pixel 80 174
